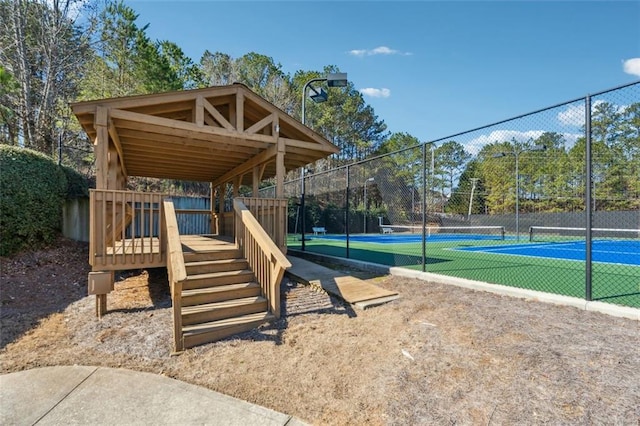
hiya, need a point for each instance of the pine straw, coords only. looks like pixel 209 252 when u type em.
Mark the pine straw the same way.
pixel 438 355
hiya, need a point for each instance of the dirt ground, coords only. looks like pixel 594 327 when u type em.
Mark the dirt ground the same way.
pixel 438 355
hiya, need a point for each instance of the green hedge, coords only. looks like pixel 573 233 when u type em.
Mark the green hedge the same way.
pixel 32 191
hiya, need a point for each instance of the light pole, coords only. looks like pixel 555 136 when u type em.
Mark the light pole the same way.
pixel 413 203
pixel 516 153
pixel 473 187
pixel 365 203
pixel 333 80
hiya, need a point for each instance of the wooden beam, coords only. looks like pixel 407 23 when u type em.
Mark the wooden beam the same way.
pixel 255 183
pixel 101 148
pixel 216 115
pixel 280 169
pixel 132 136
pixel 258 159
pixel 116 141
pixel 210 121
pixel 199 119
pixel 311 145
pixel 262 124
pixel 89 107
pixel 240 111
pixel 184 129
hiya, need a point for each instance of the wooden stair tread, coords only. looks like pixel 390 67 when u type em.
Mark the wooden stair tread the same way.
pixel 219 274
pixel 224 304
pixel 229 322
pixel 215 262
pixel 219 289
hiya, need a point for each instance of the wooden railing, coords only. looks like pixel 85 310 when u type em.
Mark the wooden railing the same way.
pixel 175 269
pixel 265 259
pixel 125 230
pixel 271 213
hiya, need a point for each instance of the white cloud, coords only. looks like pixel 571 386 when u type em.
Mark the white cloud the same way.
pixel 376 93
pixel 475 145
pixel 572 116
pixel 380 50
pixel 632 66
pixel 358 52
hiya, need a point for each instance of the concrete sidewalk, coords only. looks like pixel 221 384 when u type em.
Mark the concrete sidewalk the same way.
pixel 107 396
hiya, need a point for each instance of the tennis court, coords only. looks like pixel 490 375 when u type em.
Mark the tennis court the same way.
pixel 553 266
pixel 604 251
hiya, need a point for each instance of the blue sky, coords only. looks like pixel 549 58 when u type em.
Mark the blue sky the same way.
pixel 431 69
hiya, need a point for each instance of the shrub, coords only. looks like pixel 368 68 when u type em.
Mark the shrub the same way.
pixel 32 191
pixel 77 184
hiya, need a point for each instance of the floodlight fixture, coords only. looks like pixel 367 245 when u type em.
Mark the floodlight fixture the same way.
pixel 318 96
pixel 338 79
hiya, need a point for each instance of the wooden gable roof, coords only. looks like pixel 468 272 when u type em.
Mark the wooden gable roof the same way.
pixel 210 135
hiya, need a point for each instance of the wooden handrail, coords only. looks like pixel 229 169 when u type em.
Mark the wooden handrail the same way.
pixel 174 248
pixel 264 257
pixel 260 235
pixel 176 269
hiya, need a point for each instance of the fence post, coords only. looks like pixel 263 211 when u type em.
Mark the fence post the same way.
pixel 587 200
pixel 346 226
pixel 424 207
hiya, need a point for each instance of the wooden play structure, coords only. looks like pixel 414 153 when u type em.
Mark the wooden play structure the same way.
pixel 222 282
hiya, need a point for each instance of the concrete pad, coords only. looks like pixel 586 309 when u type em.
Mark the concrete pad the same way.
pixel 27 396
pixel 98 396
pixel 348 288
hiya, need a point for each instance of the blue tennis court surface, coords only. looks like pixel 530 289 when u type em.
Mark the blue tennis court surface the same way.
pixel 409 238
pixel 605 251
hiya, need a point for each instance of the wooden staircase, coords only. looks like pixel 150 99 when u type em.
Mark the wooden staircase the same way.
pixel 220 296
pixel 219 288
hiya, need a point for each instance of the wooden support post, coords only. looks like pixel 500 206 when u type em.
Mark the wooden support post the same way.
pixel 280 168
pixel 236 186
pixel 239 110
pixel 212 191
pixel 100 284
pixel 101 148
pixel 101 305
pixel 256 181
pixel 199 112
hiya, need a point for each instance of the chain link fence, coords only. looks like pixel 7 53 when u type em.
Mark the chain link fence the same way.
pixel 508 203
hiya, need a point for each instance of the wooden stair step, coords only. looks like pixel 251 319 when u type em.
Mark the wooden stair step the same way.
pixel 217 278
pixel 199 296
pixel 208 266
pixel 220 310
pixel 204 255
pixel 215 330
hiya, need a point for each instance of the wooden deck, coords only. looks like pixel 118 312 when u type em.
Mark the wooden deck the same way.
pixel 351 289
pixel 146 252
pixel 198 243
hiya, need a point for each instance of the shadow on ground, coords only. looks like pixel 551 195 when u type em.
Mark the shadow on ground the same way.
pixel 36 284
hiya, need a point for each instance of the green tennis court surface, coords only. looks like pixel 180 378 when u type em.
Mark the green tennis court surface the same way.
pixel 612 283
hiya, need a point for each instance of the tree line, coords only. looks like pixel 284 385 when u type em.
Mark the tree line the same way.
pixel 56 52
pixel 552 172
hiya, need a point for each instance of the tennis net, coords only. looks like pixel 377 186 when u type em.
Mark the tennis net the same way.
pixel 447 232
pixel 562 234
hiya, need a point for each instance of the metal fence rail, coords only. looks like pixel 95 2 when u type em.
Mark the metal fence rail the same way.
pixel 575 164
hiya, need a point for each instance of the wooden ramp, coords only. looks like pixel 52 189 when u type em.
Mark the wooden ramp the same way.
pixel 351 289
